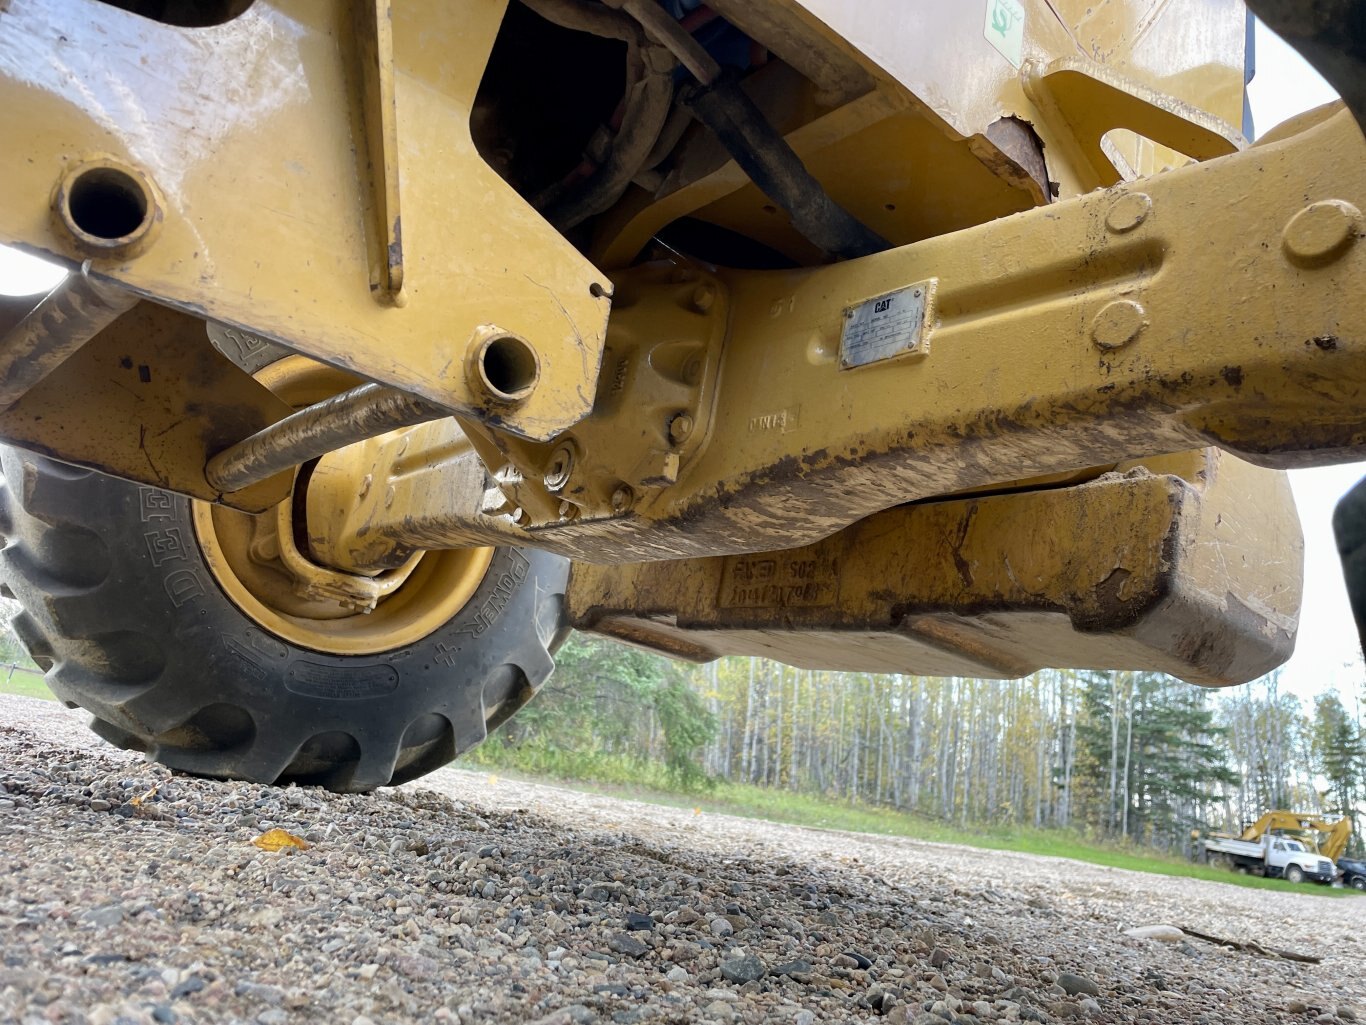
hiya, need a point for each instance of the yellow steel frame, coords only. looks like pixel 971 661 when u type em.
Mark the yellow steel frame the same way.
pixel 1188 564
pixel 304 174
pixel 275 150
pixel 1214 304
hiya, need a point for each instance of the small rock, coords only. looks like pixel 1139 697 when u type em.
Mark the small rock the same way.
pixel 627 945
pixel 792 968
pixel 685 950
pixel 804 1018
pixel 937 982
pixel 939 957
pixel 720 927
pixel 1165 933
pixel 1074 984
pixel 739 970
pixel 1090 1006
pixel 1296 1006
pixel 1346 1013
pixel 102 918
pixel 636 922
pixel 368 971
pixel 191 984
pixel 99 805
pixel 677 974
pixel 859 960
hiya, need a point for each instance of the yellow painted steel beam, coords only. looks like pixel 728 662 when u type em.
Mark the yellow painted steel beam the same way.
pixel 1216 304
pixel 232 153
pixel 1191 567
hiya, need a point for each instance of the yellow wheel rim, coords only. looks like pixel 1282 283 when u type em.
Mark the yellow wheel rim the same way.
pixel 237 548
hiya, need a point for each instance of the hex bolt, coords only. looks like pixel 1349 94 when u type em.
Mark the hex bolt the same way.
pixel 703 297
pixel 622 498
pixel 680 428
pixel 1128 212
pixel 1321 232
pixel 559 468
pixel 568 510
pixel 1118 324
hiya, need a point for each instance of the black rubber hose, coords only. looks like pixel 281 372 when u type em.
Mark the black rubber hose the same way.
pixel 779 173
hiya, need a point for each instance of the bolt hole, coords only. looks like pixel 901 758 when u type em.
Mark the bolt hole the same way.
pixel 889 206
pixel 107 204
pixel 508 367
pixel 597 290
pixel 769 208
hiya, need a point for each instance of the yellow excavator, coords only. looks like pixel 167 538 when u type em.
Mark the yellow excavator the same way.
pixel 1329 839
pixel 398 338
pixel 1317 836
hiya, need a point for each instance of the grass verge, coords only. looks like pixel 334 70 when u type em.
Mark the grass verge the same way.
pixel 28 682
pixel 826 813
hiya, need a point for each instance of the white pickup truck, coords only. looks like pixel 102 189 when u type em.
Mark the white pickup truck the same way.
pixel 1273 856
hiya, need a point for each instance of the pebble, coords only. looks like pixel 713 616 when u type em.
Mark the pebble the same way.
pixel 740 970
pixel 721 927
pixel 1073 984
pixel 628 945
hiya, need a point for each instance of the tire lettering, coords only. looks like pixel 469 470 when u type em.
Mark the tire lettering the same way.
pixel 503 589
pixel 164 545
pixel 182 585
pixel 155 505
pixel 341 683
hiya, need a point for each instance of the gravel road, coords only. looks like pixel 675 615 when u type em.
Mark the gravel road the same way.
pixel 464 899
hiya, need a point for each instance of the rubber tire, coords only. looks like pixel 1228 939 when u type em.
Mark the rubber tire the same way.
pixel 1358 883
pixel 1294 874
pixel 120 610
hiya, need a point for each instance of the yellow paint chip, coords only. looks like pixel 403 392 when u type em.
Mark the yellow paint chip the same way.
pixel 278 839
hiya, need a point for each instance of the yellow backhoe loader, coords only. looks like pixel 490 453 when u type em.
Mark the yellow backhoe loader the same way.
pixel 398 339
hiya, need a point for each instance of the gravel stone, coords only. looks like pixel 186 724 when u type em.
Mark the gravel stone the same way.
pixel 1073 984
pixel 164 913
pixel 740 970
pixel 628 945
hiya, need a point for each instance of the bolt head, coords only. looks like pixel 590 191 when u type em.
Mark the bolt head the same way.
pixel 1118 324
pixel 559 468
pixel 1128 212
pixel 622 498
pixel 1321 232
pixel 680 428
pixel 703 297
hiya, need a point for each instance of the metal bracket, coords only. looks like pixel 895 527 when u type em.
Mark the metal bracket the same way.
pixel 1084 100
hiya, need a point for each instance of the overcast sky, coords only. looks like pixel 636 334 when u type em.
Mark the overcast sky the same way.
pixel 1328 653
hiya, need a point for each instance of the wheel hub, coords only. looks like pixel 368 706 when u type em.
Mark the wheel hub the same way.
pixel 260 561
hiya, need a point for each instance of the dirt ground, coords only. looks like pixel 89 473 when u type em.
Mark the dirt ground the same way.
pixel 128 895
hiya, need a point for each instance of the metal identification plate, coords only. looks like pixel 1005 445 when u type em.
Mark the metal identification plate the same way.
pixel 887 325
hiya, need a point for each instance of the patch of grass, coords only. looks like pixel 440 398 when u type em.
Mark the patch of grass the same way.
pixel 28 683
pixel 620 777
